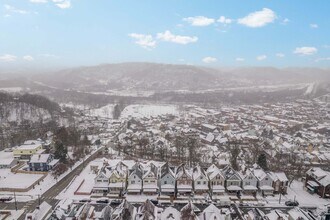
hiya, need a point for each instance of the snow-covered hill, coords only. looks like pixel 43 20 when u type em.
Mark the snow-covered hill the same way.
pixel 19 112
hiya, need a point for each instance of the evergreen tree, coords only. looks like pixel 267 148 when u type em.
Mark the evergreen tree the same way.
pixel 262 161
pixel 60 151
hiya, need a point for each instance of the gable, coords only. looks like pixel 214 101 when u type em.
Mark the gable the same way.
pixel 234 177
pixel 101 176
pixel 169 176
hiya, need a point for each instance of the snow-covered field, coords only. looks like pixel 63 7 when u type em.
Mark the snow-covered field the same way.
pixel 103 112
pixel 18 180
pixel 140 111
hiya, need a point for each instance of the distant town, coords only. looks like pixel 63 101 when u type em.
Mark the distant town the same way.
pixel 157 161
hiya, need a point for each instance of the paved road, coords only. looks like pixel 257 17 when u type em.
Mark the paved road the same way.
pixel 50 194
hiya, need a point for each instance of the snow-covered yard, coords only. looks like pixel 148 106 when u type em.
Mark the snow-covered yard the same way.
pixel 296 191
pixel 87 176
pixel 140 111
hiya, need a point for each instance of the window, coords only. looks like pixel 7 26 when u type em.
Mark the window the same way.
pixel 204 182
pixel 132 182
pixel 198 182
pixel 165 182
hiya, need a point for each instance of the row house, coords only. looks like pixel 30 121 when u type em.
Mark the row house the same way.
pixel 150 178
pixel 135 180
pixel 318 181
pixel 184 180
pixel 201 181
pixel 117 180
pixel 163 179
pixel 167 180
pixel 216 180
pixel 233 180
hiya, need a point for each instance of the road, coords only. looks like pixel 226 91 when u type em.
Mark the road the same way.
pixel 50 194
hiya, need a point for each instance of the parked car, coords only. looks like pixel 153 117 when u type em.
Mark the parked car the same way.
pixel 5 199
pixel 291 203
pixel 85 200
pixel 103 201
pixel 115 202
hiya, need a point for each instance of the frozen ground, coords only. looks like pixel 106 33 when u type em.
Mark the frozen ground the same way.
pixel 140 111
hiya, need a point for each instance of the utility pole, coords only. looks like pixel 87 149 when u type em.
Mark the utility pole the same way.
pixel 279 201
pixel 15 200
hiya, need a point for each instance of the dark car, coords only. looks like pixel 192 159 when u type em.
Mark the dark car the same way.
pixel 291 203
pixel 5 199
pixel 85 200
pixel 115 202
pixel 103 201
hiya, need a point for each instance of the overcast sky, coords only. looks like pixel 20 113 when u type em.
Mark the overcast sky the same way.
pixel 59 33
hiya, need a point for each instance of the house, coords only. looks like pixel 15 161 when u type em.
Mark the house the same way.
pixel 101 186
pixel 250 182
pixel 214 213
pixel 7 160
pixel 280 182
pixel 124 211
pixel 117 182
pixel 26 150
pixel 42 162
pixel 201 181
pixel 318 181
pixel 117 179
pixel 233 180
pixel 264 181
pixel 170 213
pixel 216 180
pixel 147 211
pixel 189 211
pixel 135 179
pixel 150 178
pixel 167 180
pixel 184 180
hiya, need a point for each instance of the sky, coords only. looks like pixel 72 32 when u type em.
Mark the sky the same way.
pixel 68 33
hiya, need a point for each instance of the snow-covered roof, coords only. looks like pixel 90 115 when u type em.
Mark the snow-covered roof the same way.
pixel 39 158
